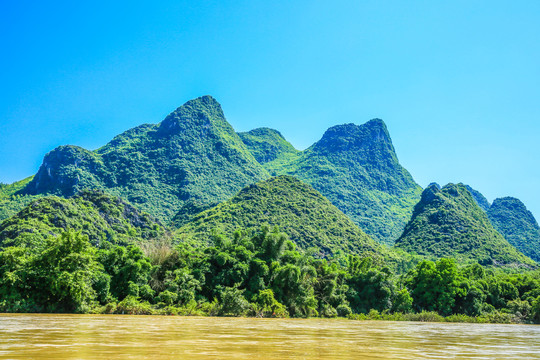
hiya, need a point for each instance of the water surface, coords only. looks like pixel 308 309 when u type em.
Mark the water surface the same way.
pixel 163 337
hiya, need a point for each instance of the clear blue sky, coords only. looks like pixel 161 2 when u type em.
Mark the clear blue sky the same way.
pixel 457 82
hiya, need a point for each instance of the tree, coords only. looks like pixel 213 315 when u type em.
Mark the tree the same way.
pixel 435 286
pixel 63 276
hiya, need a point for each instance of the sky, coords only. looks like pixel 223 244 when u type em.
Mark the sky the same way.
pixel 457 82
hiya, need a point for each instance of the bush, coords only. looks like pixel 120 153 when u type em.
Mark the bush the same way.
pixel 167 297
pixel 233 302
pixel 535 311
pixel 343 310
pixel 132 306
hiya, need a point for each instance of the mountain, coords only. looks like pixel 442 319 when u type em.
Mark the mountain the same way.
pixel 513 221
pixel 193 158
pixel 517 224
pixel 447 222
pixel 479 198
pixel 303 213
pixel 267 145
pixel 357 169
pixel 99 216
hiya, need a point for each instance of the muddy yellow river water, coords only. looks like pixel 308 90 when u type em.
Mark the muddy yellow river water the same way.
pixel 162 337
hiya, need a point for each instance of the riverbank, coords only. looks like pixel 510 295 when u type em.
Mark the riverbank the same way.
pixel 131 306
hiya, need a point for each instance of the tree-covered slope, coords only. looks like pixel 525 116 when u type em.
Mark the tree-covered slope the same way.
pixel 303 213
pixel 479 198
pixel 356 168
pixel 447 222
pixel 99 216
pixel 192 157
pixel 517 224
pixel 267 144
pixel 11 200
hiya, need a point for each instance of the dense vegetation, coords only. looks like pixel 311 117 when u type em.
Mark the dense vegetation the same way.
pixel 70 240
pixel 11 201
pixel 192 160
pixel 267 144
pixel 304 214
pixel 479 198
pixel 357 169
pixel 517 224
pixel 447 222
pixel 261 275
pixel 100 217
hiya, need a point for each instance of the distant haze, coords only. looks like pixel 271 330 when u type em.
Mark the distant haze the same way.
pixel 456 83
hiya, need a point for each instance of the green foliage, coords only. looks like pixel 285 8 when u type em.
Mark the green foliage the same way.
pixel 233 302
pixel 267 144
pixel 435 286
pixel 357 169
pixel 128 268
pixel 11 200
pixel 403 302
pixel 535 310
pixel 517 224
pixel 479 198
pixel 369 288
pixel 100 217
pixel 268 306
pixel 447 222
pixel 192 157
pixel 262 275
pixel 131 305
pixel 64 277
pixel 305 215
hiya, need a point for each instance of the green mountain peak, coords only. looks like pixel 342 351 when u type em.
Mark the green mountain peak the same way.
pixel 517 224
pixel 201 113
pixel 351 137
pixel 357 169
pixel 448 222
pixel 194 155
pixel 303 213
pixel 267 144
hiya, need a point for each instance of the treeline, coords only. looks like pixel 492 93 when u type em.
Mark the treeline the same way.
pixel 260 274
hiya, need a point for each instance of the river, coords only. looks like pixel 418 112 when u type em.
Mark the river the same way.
pixel 172 337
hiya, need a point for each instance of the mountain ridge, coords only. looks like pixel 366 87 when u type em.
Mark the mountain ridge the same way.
pixel 357 169
pixel 517 224
pixel 448 222
pixel 193 154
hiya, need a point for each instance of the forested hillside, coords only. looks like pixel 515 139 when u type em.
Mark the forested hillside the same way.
pixel 260 275
pixel 184 217
pixel 357 169
pixel 448 222
pixel 517 224
pixel 303 213
pixel 11 199
pixel 267 145
pixel 193 156
pixel 510 217
pixel 479 198
pixel 100 217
